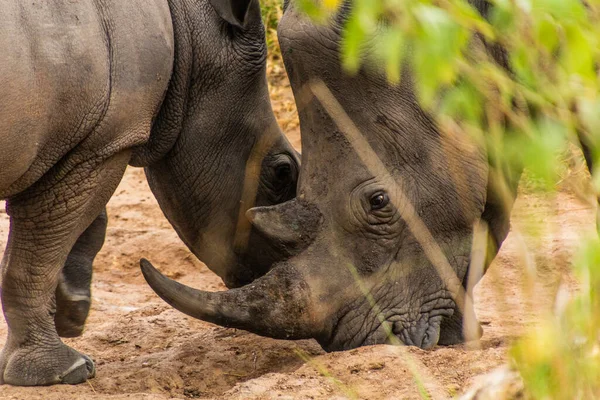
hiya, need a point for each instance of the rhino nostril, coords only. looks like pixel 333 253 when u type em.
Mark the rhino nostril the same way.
pixel 425 335
pixel 431 336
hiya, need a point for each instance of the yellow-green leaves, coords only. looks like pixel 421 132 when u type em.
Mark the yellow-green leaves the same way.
pixel 390 48
pixel 578 55
pixel 565 10
pixel 437 47
pixel 462 101
pixel 331 4
pixel 560 358
pixel 546 33
pixel 540 150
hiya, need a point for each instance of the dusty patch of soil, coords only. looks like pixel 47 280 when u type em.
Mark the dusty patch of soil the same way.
pixel 146 350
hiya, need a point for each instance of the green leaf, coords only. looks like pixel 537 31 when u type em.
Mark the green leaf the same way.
pixel 577 58
pixel 520 61
pixel 503 17
pixel 562 9
pixel 352 40
pixel 390 49
pixel 464 14
pixel 437 49
pixel 463 102
pixel 546 33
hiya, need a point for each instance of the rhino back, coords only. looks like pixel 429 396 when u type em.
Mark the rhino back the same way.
pixel 85 75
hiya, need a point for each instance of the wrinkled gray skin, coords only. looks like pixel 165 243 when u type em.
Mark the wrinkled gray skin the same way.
pixel 349 220
pixel 87 87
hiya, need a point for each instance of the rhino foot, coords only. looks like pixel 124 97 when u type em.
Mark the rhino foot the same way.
pixel 73 292
pixel 37 366
pixel 72 309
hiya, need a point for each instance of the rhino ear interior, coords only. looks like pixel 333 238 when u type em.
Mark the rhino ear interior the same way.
pixel 233 11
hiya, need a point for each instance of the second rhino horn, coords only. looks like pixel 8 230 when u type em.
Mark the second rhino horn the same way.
pixel 292 225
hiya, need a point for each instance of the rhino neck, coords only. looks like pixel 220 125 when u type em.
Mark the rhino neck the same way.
pixel 169 121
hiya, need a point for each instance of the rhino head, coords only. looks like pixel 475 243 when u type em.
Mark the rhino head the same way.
pixel 216 149
pixel 380 235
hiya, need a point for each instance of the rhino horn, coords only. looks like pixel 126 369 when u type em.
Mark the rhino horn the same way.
pixel 292 225
pixel 276 305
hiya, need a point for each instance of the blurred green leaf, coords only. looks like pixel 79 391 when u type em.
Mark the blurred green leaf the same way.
pixel 352 41
pixel 463 102
pixel 578 56
pixel 546 33
pixel 390 48
pixel 564 9
pixel 437 48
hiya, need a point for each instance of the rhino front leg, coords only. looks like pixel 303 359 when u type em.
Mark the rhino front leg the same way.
pixel 73 293
pixel 45 222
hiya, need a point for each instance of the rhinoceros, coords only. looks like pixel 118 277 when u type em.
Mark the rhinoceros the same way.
pixel 88 87
pixel 389 215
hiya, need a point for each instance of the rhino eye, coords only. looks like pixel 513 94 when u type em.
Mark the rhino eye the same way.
pixel 281 178
pixel 379 200
pixel 283 172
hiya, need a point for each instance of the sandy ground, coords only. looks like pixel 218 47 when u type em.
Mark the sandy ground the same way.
pixel 146 350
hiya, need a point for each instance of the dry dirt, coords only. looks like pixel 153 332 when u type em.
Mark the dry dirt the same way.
pixel 145 350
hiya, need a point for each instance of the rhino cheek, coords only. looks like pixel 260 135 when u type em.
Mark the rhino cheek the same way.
pixel 205 187
pixel 204 218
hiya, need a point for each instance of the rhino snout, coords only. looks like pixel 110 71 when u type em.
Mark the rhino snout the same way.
pixel 425 333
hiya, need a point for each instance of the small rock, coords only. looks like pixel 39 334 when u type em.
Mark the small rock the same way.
pixel 453 389
pixel 502 383
pixel 192 392
pixel 376 365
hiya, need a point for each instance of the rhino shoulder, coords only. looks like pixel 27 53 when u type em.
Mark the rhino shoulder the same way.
pixel 87 74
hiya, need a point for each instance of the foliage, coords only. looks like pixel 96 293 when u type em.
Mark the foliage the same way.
pixel 548 93
pixel 523 81
pixel 561 357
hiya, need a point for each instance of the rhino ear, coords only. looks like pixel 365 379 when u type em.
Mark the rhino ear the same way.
pixel 292 225
pixel 233 11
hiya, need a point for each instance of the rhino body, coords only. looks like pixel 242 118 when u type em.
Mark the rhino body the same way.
pixel 88 87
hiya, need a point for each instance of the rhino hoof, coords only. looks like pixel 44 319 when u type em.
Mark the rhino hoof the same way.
pixel 41 367
pixel 80 371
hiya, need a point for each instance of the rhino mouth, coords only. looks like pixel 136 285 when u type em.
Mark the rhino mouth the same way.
pixel 359 327
pixel 424 334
